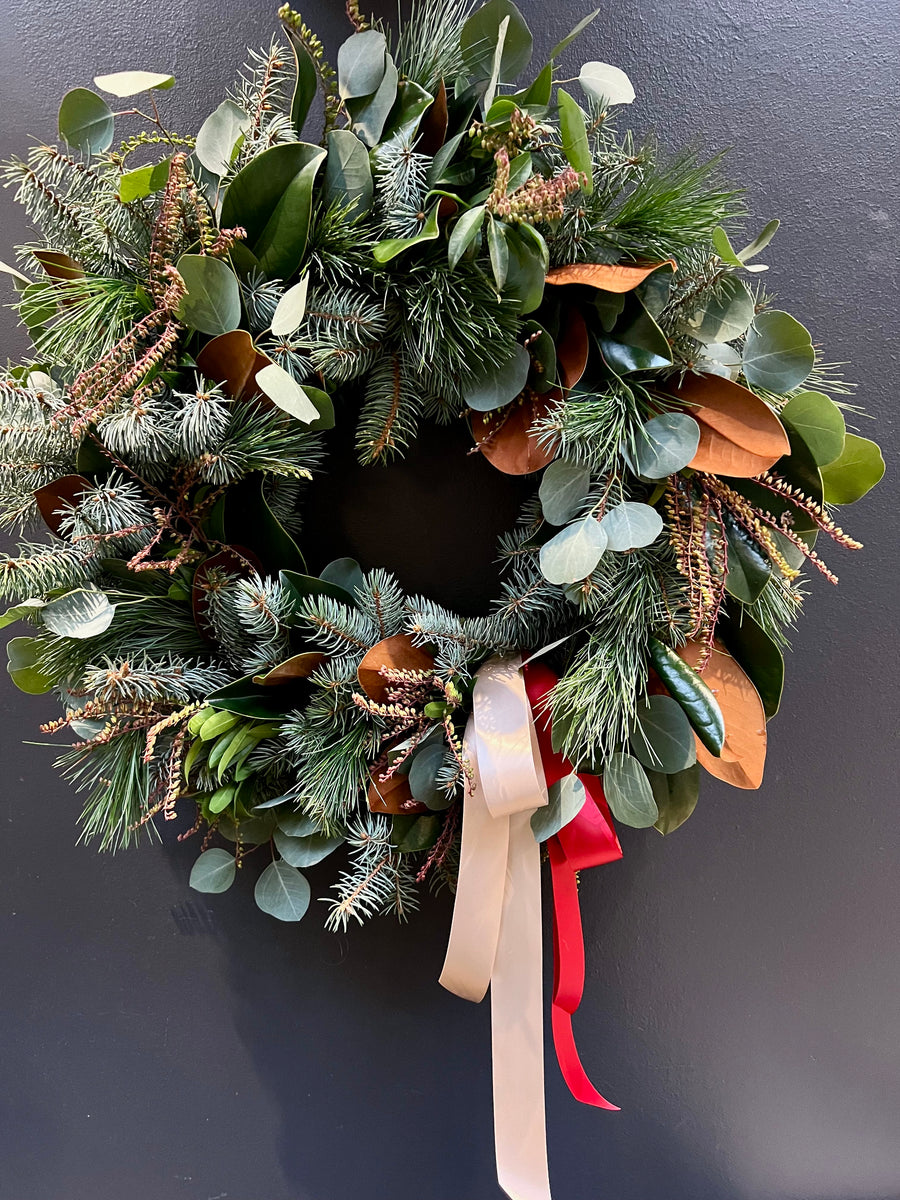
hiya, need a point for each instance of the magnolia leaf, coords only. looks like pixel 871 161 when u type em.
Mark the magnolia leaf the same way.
pixel 778 352
pixel 542 352
pixel 564 489
pixel 22 665
pixel 414 833
pixel 465 231
pixel 567 797
pixel 506 439
pixel 636 343
pixel 610 277
pixel 661 735
pixel 819 422
pixel 628 791
pixel 692 693
pixel 665 445
pixel 291 309
pixel 86 121
pixel 573 348
pixel 743 752
pixel 83 613
pixel 282 892
pixel 676 796
pixel 130 83
pixel 570 37
pixel 212 303
pixel 480 35
pixel 221 136
pixel 213 871
pixel 305 851
pixel 283 389
pixel 573 132
pixel 857 470
pixel 143 181
pixel 631 525
pixel 348 173
pixel 749 570
pixel 739 434
pixel 298 666
pixel 398 652
pixel 323 405
pixel 606 84
pixel 361 64
pixel 573 553
pixel 411 104
pixel 424 781
pixel 499 385
pixel 757 653
pixel 527 257
pixel 725 314
pixel 234 361
pixel 346 573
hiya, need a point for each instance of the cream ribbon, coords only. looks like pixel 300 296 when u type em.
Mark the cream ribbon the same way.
pixel 495 936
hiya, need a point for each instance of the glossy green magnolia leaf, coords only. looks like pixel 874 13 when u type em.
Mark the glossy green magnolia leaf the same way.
pixel 628 791
pixel 606 84
pixel 636 343
pixel 361 64
pixel 500 384
pixel 753 649
pixel 19 612
pixel 570 37
pixel 479 39
pixel 749 570
pixel 542 351
pixel 282 892
pixel 676 796
pixel 306 84
pixel 213 871
pixel 411 834
pixel 370 115
pixel 412 102
pixel 491 90
pixel 250 522
pixel 573 553
pixel 348 173
pixel 221 136
pixel 346 573
pixel 271 197
pixel 665 445
pixel 725 314
pixel 857 470
pixel 305 851
pixel 692 693
pixel 291 309
pixel 143 181
pixel 83 613
pixel 23 668
pixel 819 422
pixel 131 83
pixel 300 586
pixel 631 525
pixel 246 698
pixel 283 389
pixel 254 831
pixel 212 303
pixel 424 781
pixel 564 489
pixel 566 800
pixel 465 232
pixel 661 736
pixel 778 352
pixel 391 247
pixel 526 267
pixel 324 406
pixel 86 121
pixel 573 132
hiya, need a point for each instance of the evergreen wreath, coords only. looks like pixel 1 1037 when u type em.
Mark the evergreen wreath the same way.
pixel 456 248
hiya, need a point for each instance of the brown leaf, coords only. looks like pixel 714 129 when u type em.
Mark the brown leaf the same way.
pixel 233 360
pixel 394 797
pixel 433 126
pixel 397 652
pixel 59 495
pixel 572 349
pixel 58 265
pixel 609 277
pixel 301 666
pixel 505 439
pixel 744 752
pixel 739 434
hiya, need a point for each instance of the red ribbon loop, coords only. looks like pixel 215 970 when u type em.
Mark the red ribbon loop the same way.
pixel 587 841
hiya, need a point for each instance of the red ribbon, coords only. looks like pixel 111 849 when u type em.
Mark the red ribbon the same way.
pixel 587 841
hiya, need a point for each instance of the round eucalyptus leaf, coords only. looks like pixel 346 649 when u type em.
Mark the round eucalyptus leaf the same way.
pixel 424 780
pixel 212 303
pixel 725 314
pixel 573 553
pixel 221 136
pixel 605 83
pixel 297 825
pixel 282 892
pixel 23 668
pixel 86 121
pixel 564 489
pixel 662 737
pixel 666 444
pixel 567 798
pixel 628 791
pixel 361 64
pixel 499 385
pixel 631 525
pixel 213 871
pixel 305 851
pixel 819 422
pixel 291 309
pixel 778 352
pixel 83 613
pixel 857 470
pixel 283 390
pixel 676 796
pixel 130 83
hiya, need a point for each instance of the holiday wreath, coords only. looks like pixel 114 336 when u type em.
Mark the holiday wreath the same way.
pixel 205 309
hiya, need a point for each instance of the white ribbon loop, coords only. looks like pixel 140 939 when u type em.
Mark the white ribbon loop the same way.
pixel 495 936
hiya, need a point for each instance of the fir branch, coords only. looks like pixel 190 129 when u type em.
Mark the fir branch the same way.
pixel 379 880
pixel 389 417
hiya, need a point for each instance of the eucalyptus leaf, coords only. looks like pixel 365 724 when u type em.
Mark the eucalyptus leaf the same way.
pixel 665 445
pixel 22 665
pixel 213 871
pixel 819 422
pixel 220 137
pixel 348 173
pixel 605 83
pixel 86 121
pixel 566 800
pixel 573 553
pixel 369 116
pixel 130 83
pixel 212 302
pixel 297 825
pixel 499 385
pixel 759 242
pixel 305 851
pixel 291 309
pixel 282 892
pixel 564 489
pixel 19 611
pixel 631 525
pixel 676 796
pixel 479 39
pixel 628 792
pixel 725 314
pixel 283 389
pixel 661 736
pixel 83 613
pixel 361 64
pixel 857 470
pixel 573 132
pixel 778 352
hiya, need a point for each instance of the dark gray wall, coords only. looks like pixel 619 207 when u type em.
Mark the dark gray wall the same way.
pixel 742 1001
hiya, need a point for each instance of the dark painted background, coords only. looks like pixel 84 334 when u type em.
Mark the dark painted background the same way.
pixel 742 1001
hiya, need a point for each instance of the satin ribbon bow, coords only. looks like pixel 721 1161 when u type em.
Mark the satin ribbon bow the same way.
pixel 495 936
